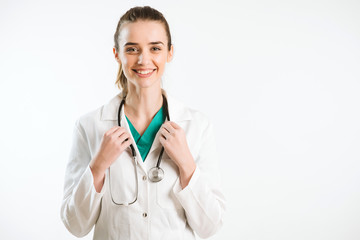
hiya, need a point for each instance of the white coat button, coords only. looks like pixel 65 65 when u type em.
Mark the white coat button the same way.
pixel 144 178
pixel 144 214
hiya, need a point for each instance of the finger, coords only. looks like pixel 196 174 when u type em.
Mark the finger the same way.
pixel 119 131
pixel 125 137
pixel 111 131
pixel 169 128
pixel 174 125
pixel 162 140
pixel 126 144
pixel 165 133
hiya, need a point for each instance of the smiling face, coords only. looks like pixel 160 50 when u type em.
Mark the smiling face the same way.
pixel 143 53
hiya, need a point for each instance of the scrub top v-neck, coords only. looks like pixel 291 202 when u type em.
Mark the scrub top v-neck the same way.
pixel 145 141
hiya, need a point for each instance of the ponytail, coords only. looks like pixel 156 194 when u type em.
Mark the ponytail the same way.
pixel 121 81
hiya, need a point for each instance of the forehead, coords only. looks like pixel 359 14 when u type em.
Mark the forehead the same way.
pixel 142 32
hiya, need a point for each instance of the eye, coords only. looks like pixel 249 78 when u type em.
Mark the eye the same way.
pixel 131 49
pixel 155 48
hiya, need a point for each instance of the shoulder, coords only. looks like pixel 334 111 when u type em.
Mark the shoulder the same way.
pixel 178 111
pixel 199 116
pixel 105 112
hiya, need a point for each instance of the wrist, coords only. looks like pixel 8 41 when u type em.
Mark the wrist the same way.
pixel 96 166
pixel 96 171
pixel 186 171
pixel 98 178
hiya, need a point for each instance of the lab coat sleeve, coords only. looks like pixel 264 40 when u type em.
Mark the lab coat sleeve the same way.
pixel 202 199
pixel 81 203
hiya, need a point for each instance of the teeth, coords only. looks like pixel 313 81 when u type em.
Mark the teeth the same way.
pixel 144 72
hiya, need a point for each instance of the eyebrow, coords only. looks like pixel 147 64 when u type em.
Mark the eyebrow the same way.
pixel 151 43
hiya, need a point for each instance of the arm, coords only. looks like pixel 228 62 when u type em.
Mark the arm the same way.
pixel 202 199
pixel 81 202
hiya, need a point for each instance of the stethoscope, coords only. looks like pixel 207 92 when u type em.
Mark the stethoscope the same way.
pixel 155 174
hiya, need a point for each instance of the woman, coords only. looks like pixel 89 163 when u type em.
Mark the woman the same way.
pixel 109 183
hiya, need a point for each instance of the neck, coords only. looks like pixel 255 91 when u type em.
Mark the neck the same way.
pixel 143 103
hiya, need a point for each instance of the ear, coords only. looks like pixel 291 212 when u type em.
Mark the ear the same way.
pixel 116 54
pixel 170 53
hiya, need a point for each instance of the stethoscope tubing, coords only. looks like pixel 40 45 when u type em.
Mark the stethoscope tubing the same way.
pixel 156 173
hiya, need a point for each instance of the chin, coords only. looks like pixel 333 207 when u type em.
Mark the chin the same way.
pixel 146 83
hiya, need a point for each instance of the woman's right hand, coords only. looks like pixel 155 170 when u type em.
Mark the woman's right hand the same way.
pixel 113 143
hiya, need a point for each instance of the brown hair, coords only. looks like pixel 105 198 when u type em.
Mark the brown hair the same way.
pixel 133 15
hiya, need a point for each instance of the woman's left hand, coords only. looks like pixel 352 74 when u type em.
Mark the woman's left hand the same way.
pixel 173 139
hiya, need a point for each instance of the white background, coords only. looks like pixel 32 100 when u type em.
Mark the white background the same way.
pixel 279 79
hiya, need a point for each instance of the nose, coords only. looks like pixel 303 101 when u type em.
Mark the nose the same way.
pixel 144 58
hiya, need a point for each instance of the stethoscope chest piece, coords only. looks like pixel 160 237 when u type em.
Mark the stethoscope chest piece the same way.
pixel 156 174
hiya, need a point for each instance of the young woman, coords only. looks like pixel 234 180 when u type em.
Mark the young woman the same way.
pixel 143 166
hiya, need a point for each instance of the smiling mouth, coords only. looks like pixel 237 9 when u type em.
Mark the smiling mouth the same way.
pixel 144 72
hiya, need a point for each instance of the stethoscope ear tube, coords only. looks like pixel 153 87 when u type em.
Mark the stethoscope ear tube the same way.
pixel 119 124
pixel 133 150
pixel 168 117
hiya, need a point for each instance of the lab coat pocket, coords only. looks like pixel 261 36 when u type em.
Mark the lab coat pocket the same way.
pixel 113 223
pixel 121 231
pixel 122 180
pixel 165 197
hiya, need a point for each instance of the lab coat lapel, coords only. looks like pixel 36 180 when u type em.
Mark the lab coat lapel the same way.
pixel 177 112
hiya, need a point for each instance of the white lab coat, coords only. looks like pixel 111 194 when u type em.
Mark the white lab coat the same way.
pixel 163 210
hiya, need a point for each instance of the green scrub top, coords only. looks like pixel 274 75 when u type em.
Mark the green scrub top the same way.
pixel 145 141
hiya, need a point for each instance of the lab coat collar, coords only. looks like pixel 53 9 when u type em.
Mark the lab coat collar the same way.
pixel 178 111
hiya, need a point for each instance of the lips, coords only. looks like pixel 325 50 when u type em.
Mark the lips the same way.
pixel 144 72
